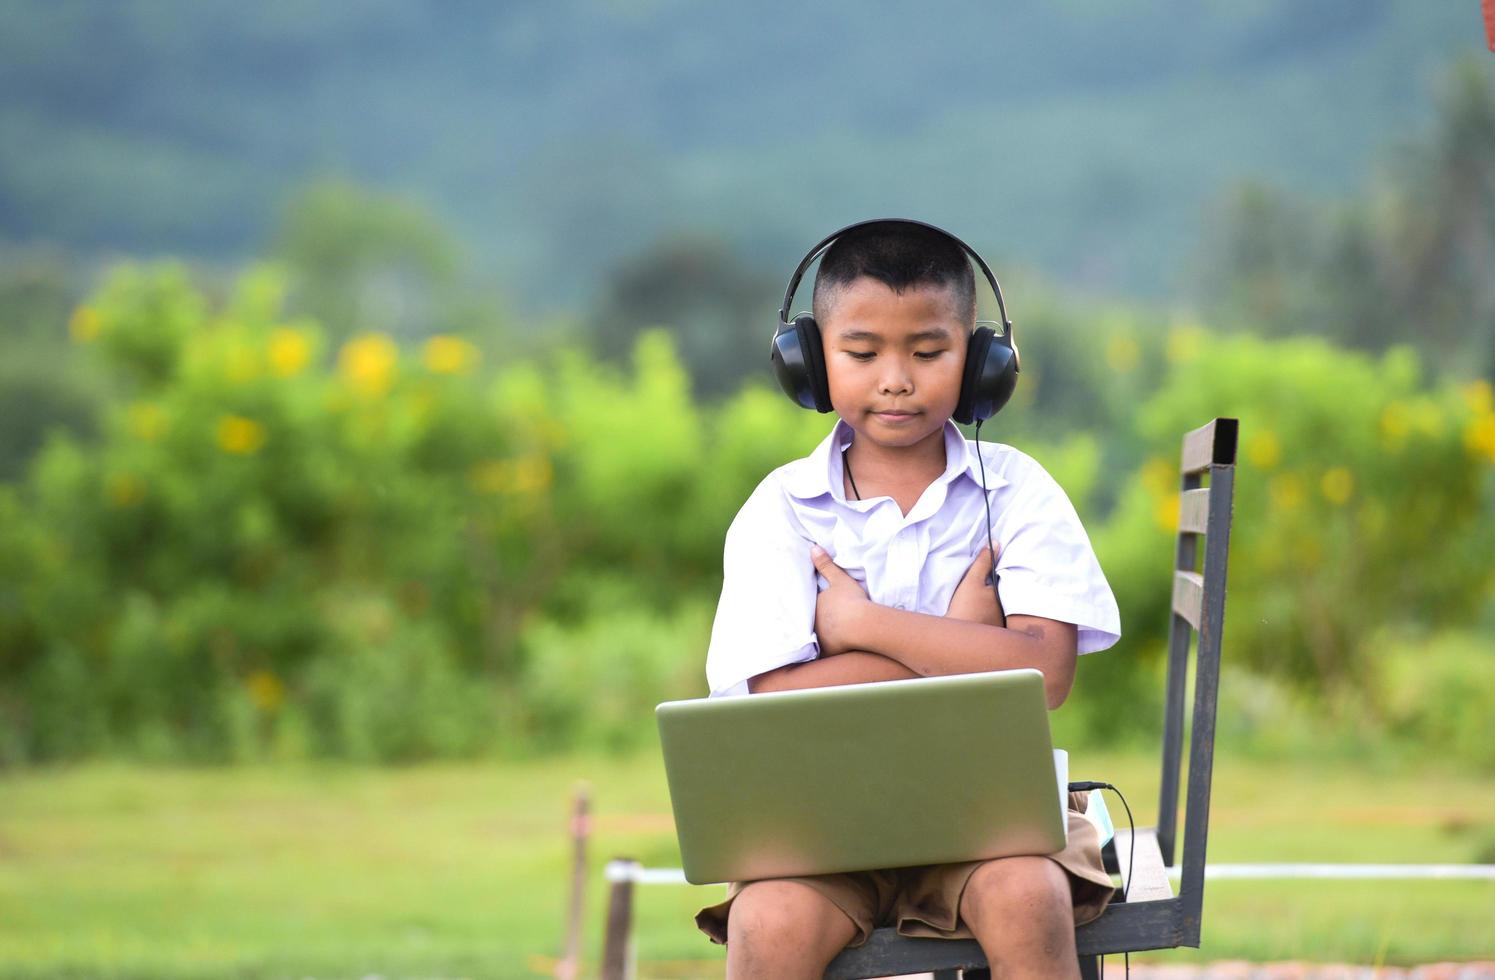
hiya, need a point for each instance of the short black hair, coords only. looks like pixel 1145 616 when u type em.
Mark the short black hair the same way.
pixel 900 256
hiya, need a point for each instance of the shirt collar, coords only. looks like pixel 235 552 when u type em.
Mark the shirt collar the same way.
pixel 821 472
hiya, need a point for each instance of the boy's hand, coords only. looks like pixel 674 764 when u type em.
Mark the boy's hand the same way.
pixel 975 600
pixel 838 607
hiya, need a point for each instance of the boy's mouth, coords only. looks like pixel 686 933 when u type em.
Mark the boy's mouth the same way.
pixel 895 415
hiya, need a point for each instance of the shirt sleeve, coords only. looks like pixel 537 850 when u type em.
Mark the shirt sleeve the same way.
pixel 1046 564
pixel 766 616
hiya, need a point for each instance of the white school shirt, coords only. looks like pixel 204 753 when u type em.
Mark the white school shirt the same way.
pixel 766 616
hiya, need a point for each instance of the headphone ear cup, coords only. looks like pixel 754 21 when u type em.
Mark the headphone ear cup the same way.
pixel 799 363
pixel 990 376
pixel 820 385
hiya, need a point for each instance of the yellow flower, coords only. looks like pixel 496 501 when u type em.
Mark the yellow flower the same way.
pixel 368 362
pixel 147 421
pixel 123 489
pixel 1264 450
pixel 289 351
pixel 444 354
pixel 1394 426
pixel 1165 512
pixel 1184 344
pixel 523 475
pixel 265 690
pixel 1160 477
pixel 1122 353
pixel 534 474
pixel 1160 480
pixel 85 324
pixel 1338 484
pixel 239 435
pixel 1286 492
pixel 1479 437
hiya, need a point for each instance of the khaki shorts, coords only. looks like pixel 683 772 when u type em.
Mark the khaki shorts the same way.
pixel 925 901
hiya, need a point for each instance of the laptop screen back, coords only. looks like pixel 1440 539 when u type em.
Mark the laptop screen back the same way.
pixel 865 776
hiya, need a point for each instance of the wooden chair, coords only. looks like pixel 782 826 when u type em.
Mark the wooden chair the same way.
pixel 1152 917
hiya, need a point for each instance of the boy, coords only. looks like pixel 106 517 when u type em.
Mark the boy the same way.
pixel 889 513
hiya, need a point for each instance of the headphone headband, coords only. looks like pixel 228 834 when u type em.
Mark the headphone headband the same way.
pixel 830 240
pixel 991 361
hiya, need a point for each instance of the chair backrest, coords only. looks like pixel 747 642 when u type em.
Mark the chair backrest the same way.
pixel 1207 486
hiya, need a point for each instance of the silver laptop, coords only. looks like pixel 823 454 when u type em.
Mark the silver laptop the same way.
pixel 882 775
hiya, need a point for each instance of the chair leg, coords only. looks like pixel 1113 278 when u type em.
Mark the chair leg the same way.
pixel 1089 968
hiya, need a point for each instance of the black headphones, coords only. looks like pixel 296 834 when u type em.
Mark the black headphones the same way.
pixel 798 357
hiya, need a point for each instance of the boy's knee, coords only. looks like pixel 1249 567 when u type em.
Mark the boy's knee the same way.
pixel 786 915
pixel 1029 888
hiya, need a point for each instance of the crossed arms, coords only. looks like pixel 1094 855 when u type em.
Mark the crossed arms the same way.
pixel 862 641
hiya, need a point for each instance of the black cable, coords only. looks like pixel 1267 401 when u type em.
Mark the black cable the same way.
pixel 1131 860
pixel 992 577
pixel 846 465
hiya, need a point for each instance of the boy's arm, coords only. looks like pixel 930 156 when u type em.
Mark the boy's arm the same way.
pixel 847 667
pixel 845 619
pixel 974 600
pixel 765 618
pixel 852 667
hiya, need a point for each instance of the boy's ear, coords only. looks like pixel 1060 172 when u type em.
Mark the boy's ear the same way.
pixel 990 376
pixel 798 361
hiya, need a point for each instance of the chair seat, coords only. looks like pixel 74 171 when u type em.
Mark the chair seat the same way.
pixel 1148 882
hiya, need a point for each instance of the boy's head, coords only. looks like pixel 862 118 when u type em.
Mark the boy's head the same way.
pixel 901 256
pixel 895 304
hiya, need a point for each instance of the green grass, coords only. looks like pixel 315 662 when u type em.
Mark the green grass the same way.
pixel 445 871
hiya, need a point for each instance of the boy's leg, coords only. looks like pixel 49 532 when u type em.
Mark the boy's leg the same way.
pixel 784 929
pixel 1021 911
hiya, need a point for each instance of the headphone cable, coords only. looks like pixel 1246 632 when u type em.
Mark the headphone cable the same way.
pixel 846 465
pixel 1131 861
pixel 992 576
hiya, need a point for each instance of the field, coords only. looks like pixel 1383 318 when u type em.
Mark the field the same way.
pixel 447 871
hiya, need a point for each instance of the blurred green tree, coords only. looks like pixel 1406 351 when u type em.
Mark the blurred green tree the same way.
pixel 716 304
pixel 1408 261
pixel 362 260
pixel 42 388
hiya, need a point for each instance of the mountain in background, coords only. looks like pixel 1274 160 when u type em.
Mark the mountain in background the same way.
pixel 1090 140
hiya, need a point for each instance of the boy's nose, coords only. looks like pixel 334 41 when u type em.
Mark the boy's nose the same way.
pixel 895 380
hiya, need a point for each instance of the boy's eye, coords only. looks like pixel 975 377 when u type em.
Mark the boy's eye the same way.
pixel 860 355
pixel 928 355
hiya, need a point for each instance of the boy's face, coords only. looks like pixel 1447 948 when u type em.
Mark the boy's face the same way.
pixel 894 360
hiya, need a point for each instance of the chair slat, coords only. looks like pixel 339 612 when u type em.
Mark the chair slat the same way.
pixel 888 954
pixel 1188 596
pixel 1147 879
pixel 1193 510
pixel 1209 444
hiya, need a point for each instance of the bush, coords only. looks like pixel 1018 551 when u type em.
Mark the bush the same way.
pixel 595 684
pixel 1437 692
pixel 277 547
pixel 1363 499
